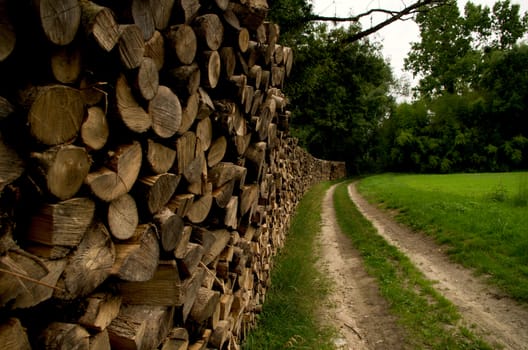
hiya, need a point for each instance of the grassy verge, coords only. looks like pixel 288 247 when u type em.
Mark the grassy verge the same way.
pixel 481 217
pixel 289 317
pixel 429 319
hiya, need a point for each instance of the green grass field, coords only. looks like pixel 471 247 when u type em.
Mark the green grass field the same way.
pixel 483 218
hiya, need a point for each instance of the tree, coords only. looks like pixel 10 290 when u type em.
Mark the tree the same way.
pixel 295 15
pixel 339 94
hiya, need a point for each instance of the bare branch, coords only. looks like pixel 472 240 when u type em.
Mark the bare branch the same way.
pixel 418 6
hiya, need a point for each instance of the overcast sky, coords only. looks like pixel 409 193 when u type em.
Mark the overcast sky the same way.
pixel 396 37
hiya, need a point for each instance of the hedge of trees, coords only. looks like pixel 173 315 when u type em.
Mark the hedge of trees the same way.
pixel 470 109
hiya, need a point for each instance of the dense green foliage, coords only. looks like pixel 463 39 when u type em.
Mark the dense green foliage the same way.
pixel 289 318
pixel 429 319
pixel 480 217
pixel 470 111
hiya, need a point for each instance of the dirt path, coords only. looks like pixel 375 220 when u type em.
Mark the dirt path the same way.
pixel 361 314
pixel 355 307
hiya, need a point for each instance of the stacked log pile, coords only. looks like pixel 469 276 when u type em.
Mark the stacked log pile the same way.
pixel 147 178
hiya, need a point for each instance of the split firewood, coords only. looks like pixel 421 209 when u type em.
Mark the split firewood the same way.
pixel 99 22
pixel 155 49
pixel 123 217
pixel 166 112
pixel 143 17
pixel 59 335
pixel 170 228
pixel 59 19
pixel 200 208
pixel 131 45
pixel 191 259
pixel 228 59
pixel 94 129
pixel 148 78
pixel 231 213
pixel 209 31
pixel 178 339
pixel 204 305
pixel 63 223
pixel 155 191
pixel 55 113
pixel 217 151
pixel 211 68
pixel 137 258
pixel 187 9
pixel 160 158
pixel 100 341
pixel 191 286
pixel 182 42
pixel 181 203
pixel 222 195
pixel 13 335
pixel 11 165
pixel 130 112
pixel 185 80
pixel 163 289
pixel 7 33
pixel 102 309
pixel 204 133
pixel 66 63
pixel 63 169
pixel 220 334
pixel 89 265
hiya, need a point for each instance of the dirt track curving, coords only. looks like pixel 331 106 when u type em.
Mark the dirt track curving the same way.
pixel 361 314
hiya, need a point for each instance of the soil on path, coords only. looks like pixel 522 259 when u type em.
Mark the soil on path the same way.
pixel 361 314
pixel 355 306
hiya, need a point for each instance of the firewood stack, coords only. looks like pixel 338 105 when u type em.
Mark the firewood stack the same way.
pixel 147 178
